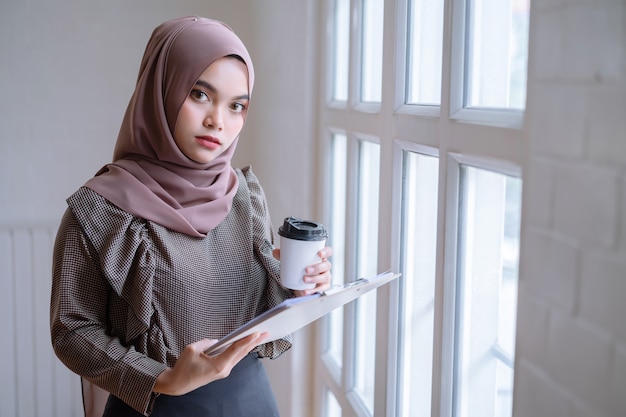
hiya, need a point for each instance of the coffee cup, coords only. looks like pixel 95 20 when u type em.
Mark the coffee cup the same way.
pixel 300 241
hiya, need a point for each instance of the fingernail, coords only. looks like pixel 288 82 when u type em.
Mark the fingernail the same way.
pixel 322 253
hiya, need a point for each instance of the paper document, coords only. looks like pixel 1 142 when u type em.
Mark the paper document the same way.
pixel 295 313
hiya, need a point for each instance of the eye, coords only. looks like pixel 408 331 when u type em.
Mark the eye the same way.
pixel 199 95
pixel 238 107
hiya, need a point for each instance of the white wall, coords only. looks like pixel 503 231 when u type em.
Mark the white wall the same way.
pixel 279 138
pixel 279 142
pixel 571 354
pixel 67 71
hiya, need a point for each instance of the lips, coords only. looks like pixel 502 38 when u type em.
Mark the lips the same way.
pixel 209 142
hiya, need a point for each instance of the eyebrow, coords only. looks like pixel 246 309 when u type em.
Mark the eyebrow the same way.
pixel 208 86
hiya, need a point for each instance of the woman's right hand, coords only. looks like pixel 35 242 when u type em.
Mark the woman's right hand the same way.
pixel 195 369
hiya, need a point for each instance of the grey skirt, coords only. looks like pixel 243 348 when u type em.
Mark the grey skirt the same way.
pixel 245 392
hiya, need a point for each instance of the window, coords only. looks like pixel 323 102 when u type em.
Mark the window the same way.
pixel 423 150
pixel 489 60
pixel 372 51
pixel 341 38
pixel 486 292
pixel 366 259
pixel 425 42
pixel 332 407
pixel 417 286
pixel 498 47
pixel 354 329
pixel 337 240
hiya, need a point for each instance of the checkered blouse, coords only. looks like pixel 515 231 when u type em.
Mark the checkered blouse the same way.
pixel 128 294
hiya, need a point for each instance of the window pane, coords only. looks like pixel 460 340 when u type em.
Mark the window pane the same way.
pixel 337 239
pixel 489 221
pixel 372 51
pixel 367 254
pixel 331 406
pixel 425 39
pixel 417 285
pixel 341 48
pixel 497 53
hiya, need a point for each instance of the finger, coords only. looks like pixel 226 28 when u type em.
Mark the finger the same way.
pixel 256 337
pixel 276 253
pixel 311 291
pixel 234 353
pixel 227 359
pixel 325 252
pixel 241 348
pixel 317 269
pixel 320 279
pixel 322 283
pixel 248 343
pixel 202 345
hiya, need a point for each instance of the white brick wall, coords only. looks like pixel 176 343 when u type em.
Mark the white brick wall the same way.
pixel 618 381
pixel 553 280
pixel 585 202
pixel 571 353
pixel 622 226
pixel 602 292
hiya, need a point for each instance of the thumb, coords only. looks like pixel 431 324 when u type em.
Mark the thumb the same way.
pixel 276 253
pixel 203 344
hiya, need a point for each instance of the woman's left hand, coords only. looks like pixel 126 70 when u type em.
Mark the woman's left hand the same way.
pixel 318 273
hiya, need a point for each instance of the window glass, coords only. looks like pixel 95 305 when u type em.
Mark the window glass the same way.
pixel 337 239
pixel 417 284
pixel 331 406
pixel 497 53
pixel 425 37
pixel 372 51
pixel 367 255
pixel 340 48
pixel 489 222
pixel 453 347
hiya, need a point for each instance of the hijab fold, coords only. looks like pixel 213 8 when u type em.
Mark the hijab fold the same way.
pixel 149 176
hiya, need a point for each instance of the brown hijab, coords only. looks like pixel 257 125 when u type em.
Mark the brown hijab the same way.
pixel 149 176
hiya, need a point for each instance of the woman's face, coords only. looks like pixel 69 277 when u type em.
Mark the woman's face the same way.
pixel 213 113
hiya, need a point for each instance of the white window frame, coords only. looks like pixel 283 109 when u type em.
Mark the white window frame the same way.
pixel 506 118
pixel 399 148
pixel 454 162
pixel 492 139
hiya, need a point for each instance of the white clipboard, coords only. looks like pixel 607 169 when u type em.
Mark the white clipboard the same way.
pixel 295 313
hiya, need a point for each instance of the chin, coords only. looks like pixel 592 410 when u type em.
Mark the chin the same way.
pixel 203 161
pixel 203 157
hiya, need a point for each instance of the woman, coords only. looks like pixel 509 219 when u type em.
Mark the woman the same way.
pixel 169 248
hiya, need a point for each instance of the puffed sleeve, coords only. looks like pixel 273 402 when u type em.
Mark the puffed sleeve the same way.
pixel 81 332
pixel 263 238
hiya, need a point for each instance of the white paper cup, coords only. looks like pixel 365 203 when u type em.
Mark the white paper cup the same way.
pixel 300 241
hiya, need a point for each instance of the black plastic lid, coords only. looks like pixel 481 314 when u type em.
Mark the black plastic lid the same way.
pixel 298 229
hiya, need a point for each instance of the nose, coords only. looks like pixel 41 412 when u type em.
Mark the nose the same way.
pixel 214 118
